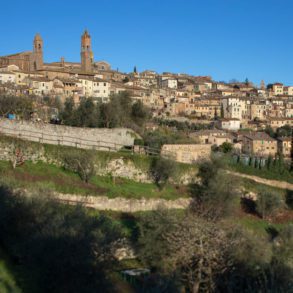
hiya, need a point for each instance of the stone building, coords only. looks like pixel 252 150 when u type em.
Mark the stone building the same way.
pixel 260 144
pixel 27 61
pixel 186 153
pixel 285 146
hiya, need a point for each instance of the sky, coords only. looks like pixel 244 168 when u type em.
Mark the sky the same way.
pixel 225 39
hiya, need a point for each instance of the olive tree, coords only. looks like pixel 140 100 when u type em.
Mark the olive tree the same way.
pixel 81 162
pixel 161 170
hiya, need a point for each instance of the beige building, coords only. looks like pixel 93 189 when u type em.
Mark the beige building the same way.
pixel 102 65
pixel 279 122
pixel 285 146
pixel 220 139
pixel 288 90
pixel 40 86
pixel 260 144
pixel 7 77
pixel 258 111
pixel 186 153
pixel 203 136
pixel 278 89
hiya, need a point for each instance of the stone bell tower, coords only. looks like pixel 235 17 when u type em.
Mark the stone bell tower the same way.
pixel 37 55
pixel 86 53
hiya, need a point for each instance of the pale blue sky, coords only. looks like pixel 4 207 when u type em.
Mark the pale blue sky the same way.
pixel 222 38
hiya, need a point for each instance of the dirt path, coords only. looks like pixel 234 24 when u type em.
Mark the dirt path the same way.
pixel 273 183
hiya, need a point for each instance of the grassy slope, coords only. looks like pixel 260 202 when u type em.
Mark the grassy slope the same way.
pixel 7 278
pixel 264 172
pixel 55 178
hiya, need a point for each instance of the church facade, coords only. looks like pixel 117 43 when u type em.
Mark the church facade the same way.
pixel 32 61
pixel 26 61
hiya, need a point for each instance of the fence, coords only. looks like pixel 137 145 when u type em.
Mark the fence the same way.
pixel 64 140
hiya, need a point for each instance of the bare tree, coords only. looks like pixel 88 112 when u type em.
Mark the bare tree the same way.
pixel 189 247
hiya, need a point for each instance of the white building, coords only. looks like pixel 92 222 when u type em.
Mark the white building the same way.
pixel 278 89
pixel 86 86
pixel 7 77
pixel 169 83
pixel 231 124
pixel 101 89
pixel 232 107
pixel 40 86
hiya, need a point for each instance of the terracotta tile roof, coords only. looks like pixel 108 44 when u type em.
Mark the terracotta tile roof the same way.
pixel 259 136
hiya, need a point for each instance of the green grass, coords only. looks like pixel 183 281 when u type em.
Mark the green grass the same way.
pixel 8 283
pixel 264 172
pixel 259 226
pixel 41 175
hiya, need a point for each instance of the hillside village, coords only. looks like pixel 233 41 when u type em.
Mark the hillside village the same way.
pixel 226 108
pixel 141 181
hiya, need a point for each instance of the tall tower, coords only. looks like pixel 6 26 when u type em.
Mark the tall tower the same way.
pixel 86 53
pixel 37 55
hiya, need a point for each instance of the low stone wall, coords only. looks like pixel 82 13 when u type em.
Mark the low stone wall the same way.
pixel 120 204
pixel 116 167
pixel 85 138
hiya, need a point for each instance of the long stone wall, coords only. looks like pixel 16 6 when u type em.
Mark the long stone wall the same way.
pixel 85 138
pixel 123 204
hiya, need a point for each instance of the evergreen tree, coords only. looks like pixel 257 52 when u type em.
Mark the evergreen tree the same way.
pixel 222 111
pixel 256 163
pixel 269 162
pixel 68 112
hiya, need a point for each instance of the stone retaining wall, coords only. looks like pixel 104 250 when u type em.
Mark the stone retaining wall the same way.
pixel 86 138
pixel 123 204
pixel 116 167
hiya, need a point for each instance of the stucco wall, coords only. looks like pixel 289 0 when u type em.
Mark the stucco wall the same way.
pixel 86 138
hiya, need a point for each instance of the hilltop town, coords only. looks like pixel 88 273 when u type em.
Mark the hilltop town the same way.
pixel 141 181
pixel 224 107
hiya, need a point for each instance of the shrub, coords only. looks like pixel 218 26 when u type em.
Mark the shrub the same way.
pixel 267 204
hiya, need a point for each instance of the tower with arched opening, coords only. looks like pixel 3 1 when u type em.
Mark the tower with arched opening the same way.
pixel 86 53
